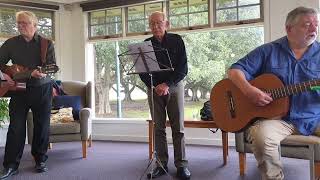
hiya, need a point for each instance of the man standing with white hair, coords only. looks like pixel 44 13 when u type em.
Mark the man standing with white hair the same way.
pixel 168 95
pixel 294 59
pixel 25 50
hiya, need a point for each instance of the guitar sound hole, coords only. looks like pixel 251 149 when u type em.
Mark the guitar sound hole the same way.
pixel 231 104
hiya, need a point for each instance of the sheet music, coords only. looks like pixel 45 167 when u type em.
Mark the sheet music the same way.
pixel 148 52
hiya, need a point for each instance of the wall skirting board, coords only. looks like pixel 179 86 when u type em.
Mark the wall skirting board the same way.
pixel 137 131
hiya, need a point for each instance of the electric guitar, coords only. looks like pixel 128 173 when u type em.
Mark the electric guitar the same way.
pixel 14 69
pixel 233 111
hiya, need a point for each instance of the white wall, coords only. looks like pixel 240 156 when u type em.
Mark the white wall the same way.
pixel 72 58
pixel 71 42
pixel 276 12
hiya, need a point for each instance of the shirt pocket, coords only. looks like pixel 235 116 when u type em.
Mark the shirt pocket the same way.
pixel 313 70
pixel 279 68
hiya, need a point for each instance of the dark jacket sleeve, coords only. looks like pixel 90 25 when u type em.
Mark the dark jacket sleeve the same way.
pixel 51 58
pixel 4 53
pixel 145 78
pixel 180 64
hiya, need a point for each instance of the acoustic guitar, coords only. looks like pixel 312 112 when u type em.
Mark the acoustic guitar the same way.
pixel 233 111
pixel 14 69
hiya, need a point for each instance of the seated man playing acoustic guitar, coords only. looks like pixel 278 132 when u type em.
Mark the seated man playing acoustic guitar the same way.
pixel 294 58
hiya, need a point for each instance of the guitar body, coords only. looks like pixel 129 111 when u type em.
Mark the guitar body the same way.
pixel 233 111
pixel 20 86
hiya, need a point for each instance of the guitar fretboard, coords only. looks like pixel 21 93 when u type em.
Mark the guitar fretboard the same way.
pixel 292 89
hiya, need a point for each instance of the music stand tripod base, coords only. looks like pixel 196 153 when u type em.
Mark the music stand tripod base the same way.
pixel 143 56
pixel 154 156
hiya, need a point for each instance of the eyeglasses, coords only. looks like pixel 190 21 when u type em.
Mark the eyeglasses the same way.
pixel 24 23
pixel 308 24
pixel 158 23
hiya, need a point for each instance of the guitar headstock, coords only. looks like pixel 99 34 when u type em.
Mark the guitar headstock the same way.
pixel 49 68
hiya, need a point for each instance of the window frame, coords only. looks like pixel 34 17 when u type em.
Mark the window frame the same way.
pixel 105 25
pixel 146 32
pixel 238 22
pixel 212 12
pixel 188 14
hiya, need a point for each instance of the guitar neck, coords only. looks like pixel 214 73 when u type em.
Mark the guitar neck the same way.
pixel 293 89
pixel 48 69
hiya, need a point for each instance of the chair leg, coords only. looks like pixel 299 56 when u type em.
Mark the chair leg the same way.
pixel 50 146
pixel 317 170
pixel 242 163
pixel 90 141
pixel 225 147
pixel 84 148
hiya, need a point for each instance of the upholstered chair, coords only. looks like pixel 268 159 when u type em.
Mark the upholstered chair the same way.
pixel 78 130
pixel 294 146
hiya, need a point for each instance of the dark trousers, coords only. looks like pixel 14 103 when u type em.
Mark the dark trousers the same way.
pixel 173 106
pixel 38 99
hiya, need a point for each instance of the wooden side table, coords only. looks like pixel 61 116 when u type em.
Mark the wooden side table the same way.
pixel 192 124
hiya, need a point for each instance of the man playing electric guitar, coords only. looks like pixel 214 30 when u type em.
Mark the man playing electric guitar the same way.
pixel 293 59
pixel 28 50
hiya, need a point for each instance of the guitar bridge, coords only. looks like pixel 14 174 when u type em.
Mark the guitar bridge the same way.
pixel 231 104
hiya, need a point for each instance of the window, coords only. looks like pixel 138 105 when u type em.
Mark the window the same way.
pixel 210 52
pixel 182 15
pixel 209 55
pixel 138 16
pixel 132 91
pixel 105 23
pixel 8 22
pixel 188 13
pixel 45 23
pixel 237 10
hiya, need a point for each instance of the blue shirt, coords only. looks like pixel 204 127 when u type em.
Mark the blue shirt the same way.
pixel 277 58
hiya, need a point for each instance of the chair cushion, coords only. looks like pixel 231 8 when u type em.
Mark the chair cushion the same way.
pixel 65 128
pixel 63 115
pixel 68 101
pixel 301 140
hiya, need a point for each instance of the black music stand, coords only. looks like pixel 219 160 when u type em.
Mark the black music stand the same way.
pixel 144 60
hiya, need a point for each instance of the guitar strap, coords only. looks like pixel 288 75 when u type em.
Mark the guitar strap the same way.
pixel 44 47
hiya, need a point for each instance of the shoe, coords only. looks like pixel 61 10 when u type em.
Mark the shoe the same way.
pixel 41 167
pixel 157 172
pixel 7 172
pixel 183 173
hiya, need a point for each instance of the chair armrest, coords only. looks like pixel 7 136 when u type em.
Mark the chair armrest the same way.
pixel 85 123
pixel 30 127
pixel 240 141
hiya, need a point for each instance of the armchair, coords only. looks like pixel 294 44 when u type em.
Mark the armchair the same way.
pixel 78 130
pixel 294 146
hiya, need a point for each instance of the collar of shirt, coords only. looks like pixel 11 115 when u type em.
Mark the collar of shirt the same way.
pixel 35 38
pixel 164 39
pixel 313 48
